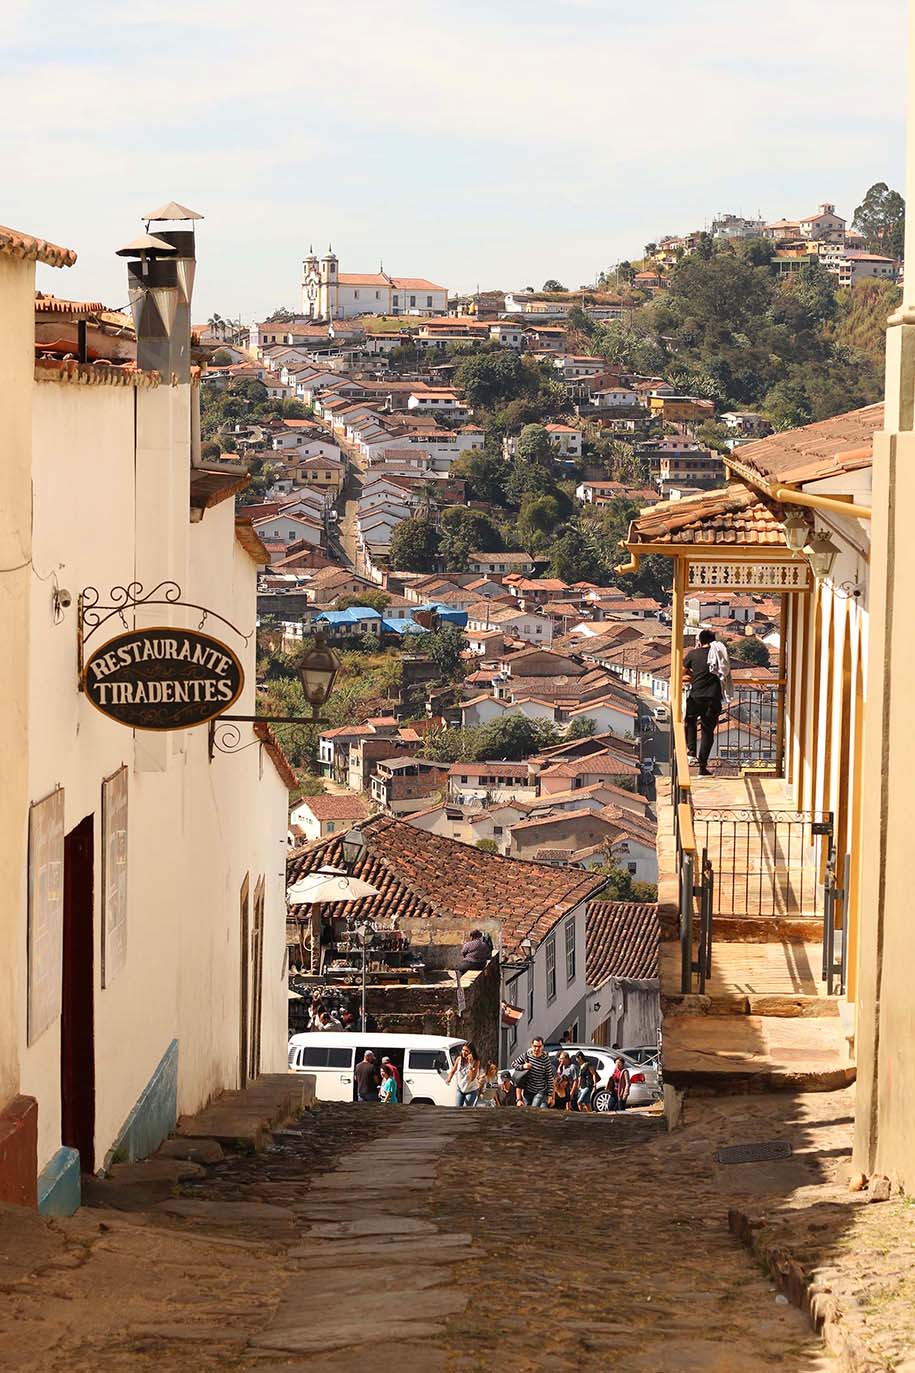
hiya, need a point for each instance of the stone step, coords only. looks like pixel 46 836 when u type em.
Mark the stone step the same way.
pixel 712 1054
pixel 245 1118
pixel 788 1005
pixel 764 929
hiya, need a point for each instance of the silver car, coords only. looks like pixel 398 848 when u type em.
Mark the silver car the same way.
pixel 644 1078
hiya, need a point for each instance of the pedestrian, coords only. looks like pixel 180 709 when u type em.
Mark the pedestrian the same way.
pixel 475 953
pixel 468 1071
pixel 366 1075
pixel 490 1087
pixel 564 1083
pixel 327 1022
pixel 388 1095
pixel 587 1080
pixel 708 671
pixel 620 1084
pixel 532 1075
pixel 395 1074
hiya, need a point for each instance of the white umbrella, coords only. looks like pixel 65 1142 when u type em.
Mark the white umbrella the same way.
pixel 327 885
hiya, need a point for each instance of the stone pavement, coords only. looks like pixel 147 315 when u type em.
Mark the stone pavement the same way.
pixel 427 1240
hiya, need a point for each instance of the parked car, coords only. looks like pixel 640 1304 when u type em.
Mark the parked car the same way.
pixel 645 1084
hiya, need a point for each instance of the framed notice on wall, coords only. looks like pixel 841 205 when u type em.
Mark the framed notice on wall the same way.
pixel 114 875
pixel 46 912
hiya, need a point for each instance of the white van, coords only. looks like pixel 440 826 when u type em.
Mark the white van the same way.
pixel 423 1062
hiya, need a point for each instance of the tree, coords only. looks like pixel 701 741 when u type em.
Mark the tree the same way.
pixel 294 409
pixel 582 728
pixel 513 738
pixel 210 451
pixel 375 600
pixel 553 285
pixel 751 650
pixel 572 559
pixel 414 545
pixel 281 316
pixel 488 845
pixel 485 473
pixel 620 886
pixel 221 358
pixel 881 219
pixel 445 645
pixel 538 520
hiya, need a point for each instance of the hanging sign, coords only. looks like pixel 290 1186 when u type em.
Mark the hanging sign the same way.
pixel 162 678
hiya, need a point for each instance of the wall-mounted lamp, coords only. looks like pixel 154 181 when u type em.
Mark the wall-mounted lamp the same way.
pixel 796 531
pixel 353 845
pixel 318 669
pixel 527 948
pixel 821 553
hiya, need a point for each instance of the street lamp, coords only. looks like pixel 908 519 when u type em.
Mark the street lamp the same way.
pixel 527 947
pixel 821 553
pixel 353 845
pixel 796 530
pixel 364 933
pixel 318 669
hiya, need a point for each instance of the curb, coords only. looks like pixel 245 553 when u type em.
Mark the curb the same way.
pixel 817 1302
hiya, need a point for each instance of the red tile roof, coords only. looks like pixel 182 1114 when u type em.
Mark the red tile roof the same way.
pixel 425 875
pixel 733 515
pixel 826 449
pixel 13 243
pixel 354 807
pixel 622 940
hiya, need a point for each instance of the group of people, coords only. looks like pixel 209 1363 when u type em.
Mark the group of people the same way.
pixel 568 1085
pixel 337 1013
pixel 376 1081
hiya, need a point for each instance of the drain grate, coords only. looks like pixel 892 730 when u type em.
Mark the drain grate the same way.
pixel 755 1153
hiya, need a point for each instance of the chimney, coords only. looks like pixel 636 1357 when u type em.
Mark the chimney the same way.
pixel 161 285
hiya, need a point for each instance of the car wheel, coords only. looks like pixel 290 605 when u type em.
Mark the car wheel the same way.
pixel 602 1100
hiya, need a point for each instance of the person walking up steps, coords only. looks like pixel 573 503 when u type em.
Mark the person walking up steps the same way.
pixel 469 1073
pixel 532 1074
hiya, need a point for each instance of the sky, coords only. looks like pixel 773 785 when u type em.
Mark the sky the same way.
pixel 491 143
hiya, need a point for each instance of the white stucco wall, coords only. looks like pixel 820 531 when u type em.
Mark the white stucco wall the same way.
pixel 106 513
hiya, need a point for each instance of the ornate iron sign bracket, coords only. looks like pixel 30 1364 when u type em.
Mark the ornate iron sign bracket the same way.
pixel 224 736
pixel 92 612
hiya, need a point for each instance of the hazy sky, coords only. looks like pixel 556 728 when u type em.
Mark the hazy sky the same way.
pixel 497 142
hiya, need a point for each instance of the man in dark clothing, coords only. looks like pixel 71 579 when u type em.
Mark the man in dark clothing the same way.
pixel 366 1075
pixel 703 704
pixel 475 952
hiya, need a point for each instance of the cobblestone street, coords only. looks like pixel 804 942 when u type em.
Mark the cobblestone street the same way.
pixel 428 1239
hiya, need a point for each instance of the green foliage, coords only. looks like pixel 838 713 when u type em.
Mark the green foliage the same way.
pixel 294 409
pixel 620 885
pixel 221 358
pixel 444 645
pixel 485 473
pixel 538 520
pixel 414 545
pixel 283 315
pixel 750 650
pixel 582 728
pixel 861 321
pixel 881 219
pixel 375 600
pixel 488 845
pixel 551 284
pixel 460 531
pixel 210 451
pixel 513 738
pixel 574 559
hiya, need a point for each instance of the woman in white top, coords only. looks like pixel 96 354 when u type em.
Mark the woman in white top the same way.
pixel 468 1071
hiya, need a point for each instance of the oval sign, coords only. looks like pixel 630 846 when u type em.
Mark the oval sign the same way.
pixel 163 678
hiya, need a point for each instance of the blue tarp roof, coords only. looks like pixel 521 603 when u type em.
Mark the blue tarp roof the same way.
pixel 354 615
pixel 403 627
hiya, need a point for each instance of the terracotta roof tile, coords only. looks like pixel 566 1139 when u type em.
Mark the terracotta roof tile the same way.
pixel 29 249
pixel 622 940
pixel 732 515
pixel 354 807
pixel 425 875
pixel 830 447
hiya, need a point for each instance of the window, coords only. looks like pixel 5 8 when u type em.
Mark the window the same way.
pixel 355 295
pixel 314 1057
pixel 570 950
pixel 397 300
pixel 551 968
pixel 530 992
pixel 633 869
pixel 330 827
pixel 497 829
pixel 429 301
pixel 412 300
pixel 427 1060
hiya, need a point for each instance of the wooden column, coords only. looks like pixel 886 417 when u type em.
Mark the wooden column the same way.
pixel 678 611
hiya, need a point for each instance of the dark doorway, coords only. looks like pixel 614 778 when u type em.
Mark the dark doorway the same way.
pixel 77 1021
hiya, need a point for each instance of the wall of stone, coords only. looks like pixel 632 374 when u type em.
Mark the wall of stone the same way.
pixel 434 1011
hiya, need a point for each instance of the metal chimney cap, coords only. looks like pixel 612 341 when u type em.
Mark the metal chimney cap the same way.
pixel 171 211
pixel 146 243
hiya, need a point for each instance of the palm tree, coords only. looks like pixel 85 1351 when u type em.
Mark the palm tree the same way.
pixel 214 322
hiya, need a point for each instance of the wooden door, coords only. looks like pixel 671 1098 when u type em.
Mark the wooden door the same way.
pixel 244 998
pixel 77 1023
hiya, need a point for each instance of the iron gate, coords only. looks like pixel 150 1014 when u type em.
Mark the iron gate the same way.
pixel 766 862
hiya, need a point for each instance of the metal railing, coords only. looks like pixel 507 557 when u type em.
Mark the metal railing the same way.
pixel 695 874
pixel 751 731
pixel 767 862
pixel 835 932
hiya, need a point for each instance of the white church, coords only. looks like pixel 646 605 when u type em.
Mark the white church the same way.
pixel 328 293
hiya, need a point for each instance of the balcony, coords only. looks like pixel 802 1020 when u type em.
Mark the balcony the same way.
pixel 751 955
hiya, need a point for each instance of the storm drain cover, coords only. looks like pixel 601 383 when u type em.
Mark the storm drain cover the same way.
pixel 755 1153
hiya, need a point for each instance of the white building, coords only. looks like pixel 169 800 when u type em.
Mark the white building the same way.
pixel 328 293
pixel 142 927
